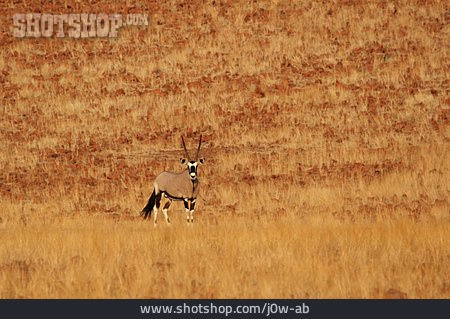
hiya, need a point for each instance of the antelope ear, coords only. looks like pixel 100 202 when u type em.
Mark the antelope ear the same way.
pixel 183 160
pixel 202 160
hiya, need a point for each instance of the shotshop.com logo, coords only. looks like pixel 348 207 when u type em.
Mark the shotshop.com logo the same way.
pixel 73 25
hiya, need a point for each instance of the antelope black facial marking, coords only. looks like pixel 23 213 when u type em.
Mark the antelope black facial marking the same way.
pixel 192 167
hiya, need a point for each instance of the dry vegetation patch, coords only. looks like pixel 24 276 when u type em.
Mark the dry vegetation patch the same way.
pixel 326 129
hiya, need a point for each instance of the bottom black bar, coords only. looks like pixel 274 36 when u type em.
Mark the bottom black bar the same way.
pixel 223 308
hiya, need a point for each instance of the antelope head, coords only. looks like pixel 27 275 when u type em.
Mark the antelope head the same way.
pixel 191 163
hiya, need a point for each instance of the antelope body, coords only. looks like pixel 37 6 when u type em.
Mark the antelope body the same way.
pixel 183 186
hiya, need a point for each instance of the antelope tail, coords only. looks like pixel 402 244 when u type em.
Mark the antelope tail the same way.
pixel 147 211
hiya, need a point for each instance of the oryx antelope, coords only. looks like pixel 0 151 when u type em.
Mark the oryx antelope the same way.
pixel 183 186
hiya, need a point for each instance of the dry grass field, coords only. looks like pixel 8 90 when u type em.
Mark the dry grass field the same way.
pixel 326 134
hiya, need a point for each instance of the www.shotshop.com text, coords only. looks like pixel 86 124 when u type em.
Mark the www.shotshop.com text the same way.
pixel 266 309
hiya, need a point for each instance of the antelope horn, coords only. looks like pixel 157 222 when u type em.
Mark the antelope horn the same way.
pixel 198 150
pixel 185 150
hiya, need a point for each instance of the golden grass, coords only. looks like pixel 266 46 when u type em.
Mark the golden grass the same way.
pixel 96 257
pixel 326 131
